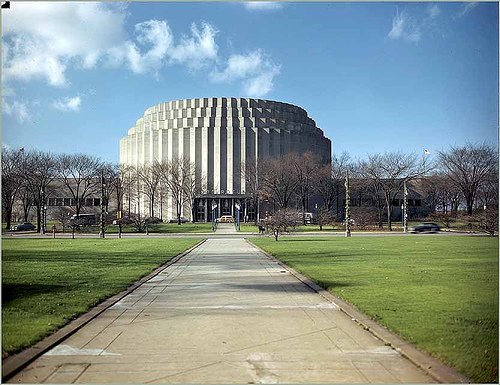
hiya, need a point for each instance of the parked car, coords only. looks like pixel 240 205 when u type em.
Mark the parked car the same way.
pixel 174 220
pixel 226 219
pixel 26 226
pixel 426 226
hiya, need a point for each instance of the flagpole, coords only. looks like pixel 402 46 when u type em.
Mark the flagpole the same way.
pixel 426 152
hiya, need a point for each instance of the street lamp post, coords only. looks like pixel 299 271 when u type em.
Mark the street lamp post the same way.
pixel 405 207
pixel 347 207
pixel 103 207
pixel 43 206
pixel 214 207
pixel 237 207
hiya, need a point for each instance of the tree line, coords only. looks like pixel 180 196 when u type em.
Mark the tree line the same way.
pixel 31 178
pixel 460 179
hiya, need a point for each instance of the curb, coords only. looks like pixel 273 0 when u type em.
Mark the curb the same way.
pixel 433 367
pixel 17 362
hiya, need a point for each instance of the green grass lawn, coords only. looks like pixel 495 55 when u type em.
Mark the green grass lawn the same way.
pixel 248 228
pixel 396 226
pixel 198 227
pixel 46 283
pixel 439 293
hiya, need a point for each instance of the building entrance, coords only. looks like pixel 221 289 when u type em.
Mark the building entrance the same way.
pixel 225 206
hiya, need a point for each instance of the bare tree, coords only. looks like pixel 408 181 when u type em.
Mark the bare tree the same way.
pixel 176 175
pixel 489 220
pixel 325 187
pixel 12 179
pixel 111 173
pixel 387 172
pixel 150 176
pixel 26 199
pixel 40 172
pixel 305 170
pixel 253 183
pixel 376 198
pixel 440 193
pixel 282 220
pixel 80 175
pixel 125 188
pixel 329 183
pixel 364 216
pixel 488 191
pixel 324 218
pixel 62 215
pixel 122 184
pixel 278 179
pixel 192 187
pixel 468 167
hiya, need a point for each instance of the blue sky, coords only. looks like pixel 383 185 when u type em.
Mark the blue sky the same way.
pixel 374 76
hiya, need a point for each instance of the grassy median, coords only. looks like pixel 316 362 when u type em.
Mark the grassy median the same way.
pixel 439 293
pixel 47 282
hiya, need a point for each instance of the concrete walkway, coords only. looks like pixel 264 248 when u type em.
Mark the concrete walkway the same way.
pixel 226 229
pixel 225 313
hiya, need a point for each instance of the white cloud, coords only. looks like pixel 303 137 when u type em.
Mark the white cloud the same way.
pixel 433 11
pixel 41 40
pixel 68 104
pixel 195 51
pixel 262 84
pixel 157 35
pixel 398 22
pixel 262 5
pixel 466 8
pixel 255 70
pixel 239 66
pixel 17 109
pixel 404 27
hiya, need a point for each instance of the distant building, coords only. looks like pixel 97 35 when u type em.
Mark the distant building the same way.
pixel 220 136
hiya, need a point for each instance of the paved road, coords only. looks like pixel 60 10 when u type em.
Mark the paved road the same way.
pixel 225 313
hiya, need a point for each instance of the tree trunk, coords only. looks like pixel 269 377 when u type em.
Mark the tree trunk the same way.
pixel 304 210
pixel 26 212
pixel 470 204
pixel 8 217
pixel 129 204
pixel 38 218
pixel 337 194
pixel 389 213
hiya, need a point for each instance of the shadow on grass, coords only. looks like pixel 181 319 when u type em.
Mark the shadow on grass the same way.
pixel 81 256
pixel 11 292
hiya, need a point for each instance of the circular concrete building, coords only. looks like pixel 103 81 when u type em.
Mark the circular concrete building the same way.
pixel 220 135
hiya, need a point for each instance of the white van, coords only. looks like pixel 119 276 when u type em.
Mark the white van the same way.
pixel 309 217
